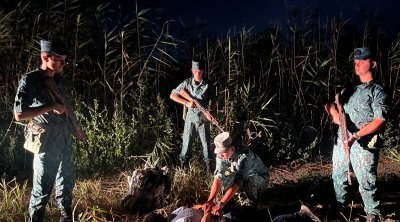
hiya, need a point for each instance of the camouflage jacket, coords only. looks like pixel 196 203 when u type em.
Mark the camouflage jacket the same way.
pixel 237 169
pixel 362 104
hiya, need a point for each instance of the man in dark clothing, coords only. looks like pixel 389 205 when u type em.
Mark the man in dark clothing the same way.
pixel 48 132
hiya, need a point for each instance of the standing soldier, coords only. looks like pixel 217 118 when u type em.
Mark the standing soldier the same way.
pixel 365 109
pixel 201 90
pixel 48 133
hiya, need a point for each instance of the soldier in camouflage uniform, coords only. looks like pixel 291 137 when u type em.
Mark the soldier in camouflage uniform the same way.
pixel 48 134
pixel 201 90
pixel 366 110
pixel 236 169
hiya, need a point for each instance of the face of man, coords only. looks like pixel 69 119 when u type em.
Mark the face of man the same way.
pixel 362 66
pixel 227 154
pixel 56 63
pixel 197 74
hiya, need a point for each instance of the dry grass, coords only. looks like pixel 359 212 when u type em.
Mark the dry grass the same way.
pixel 100 199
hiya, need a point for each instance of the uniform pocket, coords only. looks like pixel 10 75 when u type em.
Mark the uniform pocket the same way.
pixel 35 136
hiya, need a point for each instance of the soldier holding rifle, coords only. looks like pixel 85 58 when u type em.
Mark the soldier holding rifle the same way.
pixel 202 91
pixel 48 133
pixel 365 107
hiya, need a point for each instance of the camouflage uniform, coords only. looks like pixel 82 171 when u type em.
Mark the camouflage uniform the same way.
pixel 366 102
pixel 245 169
pixel 54 163
pixel 204 93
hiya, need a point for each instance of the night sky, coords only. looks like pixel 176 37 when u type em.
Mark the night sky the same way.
pixel 220 16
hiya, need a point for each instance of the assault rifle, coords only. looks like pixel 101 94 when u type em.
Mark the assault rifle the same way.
pixel 60 98
pixel 345 135
pixel 203 110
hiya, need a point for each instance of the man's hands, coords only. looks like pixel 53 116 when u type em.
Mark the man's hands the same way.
pixel 217 210
pixel 210 206
pixel 58 108
pixel 207 206
pixel 208 116
pixel 331 110
pixel 351 139
pixel 189 104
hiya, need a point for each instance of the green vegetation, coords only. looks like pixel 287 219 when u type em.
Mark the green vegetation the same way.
pixel 271 89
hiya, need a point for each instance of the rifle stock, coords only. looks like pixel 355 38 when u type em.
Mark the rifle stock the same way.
pixel 59 97
pixel 344 135
pixel 203 110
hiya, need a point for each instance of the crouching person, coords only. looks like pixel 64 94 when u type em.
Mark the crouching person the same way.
pixel 236 170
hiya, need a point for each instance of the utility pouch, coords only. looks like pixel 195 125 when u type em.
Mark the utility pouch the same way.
pixel 371 142
pixel 35 135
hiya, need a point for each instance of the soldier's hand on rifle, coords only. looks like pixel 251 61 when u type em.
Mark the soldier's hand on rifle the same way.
pixel 336 119
pixel 351 139
pixel 332 111
pixel 208 116
pixel 189 104
pixel 58 108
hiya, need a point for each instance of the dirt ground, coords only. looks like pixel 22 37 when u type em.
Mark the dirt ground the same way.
pixel 312 184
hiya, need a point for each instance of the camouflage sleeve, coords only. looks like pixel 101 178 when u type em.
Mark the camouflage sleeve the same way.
pixel 243 166
pixel 224 174
pixel 183 85
pixel 24 97
pixel 219 169
pixel 379 104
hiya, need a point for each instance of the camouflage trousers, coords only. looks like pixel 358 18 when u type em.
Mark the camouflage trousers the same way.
pixel 364 164
pixel 189 134
pixel 53 165
pixel 254 186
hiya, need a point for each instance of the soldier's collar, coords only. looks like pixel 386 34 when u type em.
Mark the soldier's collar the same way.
pixel 194 82
pixel 366 84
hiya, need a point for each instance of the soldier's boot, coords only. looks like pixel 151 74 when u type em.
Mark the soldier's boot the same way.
pixel 66 215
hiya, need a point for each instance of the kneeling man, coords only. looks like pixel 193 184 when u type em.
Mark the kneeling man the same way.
pixel 236 169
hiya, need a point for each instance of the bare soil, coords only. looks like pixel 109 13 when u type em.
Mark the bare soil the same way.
pixel 312 184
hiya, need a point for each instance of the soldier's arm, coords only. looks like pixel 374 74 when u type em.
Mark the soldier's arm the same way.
pixel 36 111
pixel 216 186
pixel 371 127
pixel 230 192
pixel 181 100
pixel 24 98
pixel 332 111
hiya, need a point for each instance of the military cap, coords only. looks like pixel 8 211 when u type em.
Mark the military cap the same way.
pixel 222 142
pixel 53 47
pixel 197 65
pixel 362 53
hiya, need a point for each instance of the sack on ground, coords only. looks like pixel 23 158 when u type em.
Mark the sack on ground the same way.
pixel 147 189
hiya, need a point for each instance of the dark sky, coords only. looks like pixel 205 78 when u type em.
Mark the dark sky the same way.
pixel 221 15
